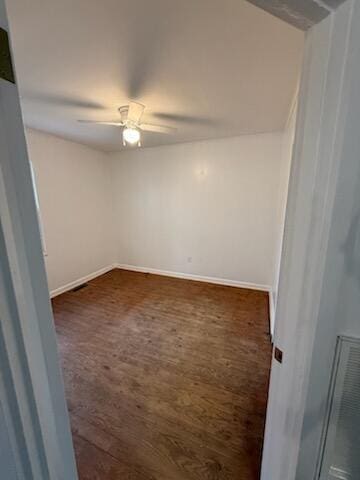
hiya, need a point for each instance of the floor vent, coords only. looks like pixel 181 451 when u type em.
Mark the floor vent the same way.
pixel 80 287
pixel 340 457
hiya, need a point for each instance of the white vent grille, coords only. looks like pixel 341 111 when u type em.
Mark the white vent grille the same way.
pixel 341 454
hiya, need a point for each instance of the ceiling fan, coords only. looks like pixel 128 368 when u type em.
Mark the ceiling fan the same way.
pixel 130 121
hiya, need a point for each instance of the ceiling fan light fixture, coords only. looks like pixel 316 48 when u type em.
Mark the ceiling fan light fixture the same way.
pixel 131 135
pixel 131 124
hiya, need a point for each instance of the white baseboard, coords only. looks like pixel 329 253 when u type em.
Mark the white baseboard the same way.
pixel 197 278
pixel 80 281
pixel 166 273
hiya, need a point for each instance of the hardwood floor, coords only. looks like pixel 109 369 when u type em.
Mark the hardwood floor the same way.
pixel 165 378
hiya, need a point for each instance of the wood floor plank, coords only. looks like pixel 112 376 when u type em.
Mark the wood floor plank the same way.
pixel 165 378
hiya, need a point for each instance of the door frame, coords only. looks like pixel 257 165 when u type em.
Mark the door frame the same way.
pixel 323 101
pixel 32 392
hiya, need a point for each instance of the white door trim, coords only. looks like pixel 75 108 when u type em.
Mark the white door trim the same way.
pixel 314 175
pixel 32 393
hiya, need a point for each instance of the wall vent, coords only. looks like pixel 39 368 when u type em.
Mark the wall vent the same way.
pixel 341 441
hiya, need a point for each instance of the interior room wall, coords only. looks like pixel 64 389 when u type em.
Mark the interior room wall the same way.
pixel 287 152
pixel 207 208
pixel 73 185
pixel 211 209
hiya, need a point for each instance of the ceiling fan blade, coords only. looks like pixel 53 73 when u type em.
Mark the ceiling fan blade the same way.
pixel 96 122
pixel 135 112
pixel 62 101
pixel 182 118
pixel 147 127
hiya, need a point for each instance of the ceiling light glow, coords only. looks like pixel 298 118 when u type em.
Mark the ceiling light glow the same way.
pixel 131 135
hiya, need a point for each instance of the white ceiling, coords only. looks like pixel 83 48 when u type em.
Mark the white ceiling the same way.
pixel 212 68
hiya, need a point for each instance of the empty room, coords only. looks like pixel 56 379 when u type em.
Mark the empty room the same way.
pixel 160 137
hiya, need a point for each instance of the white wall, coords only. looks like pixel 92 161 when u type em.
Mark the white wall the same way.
pixel 287 152
pixel 207 208
pixel 211 208
pixel 73 183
